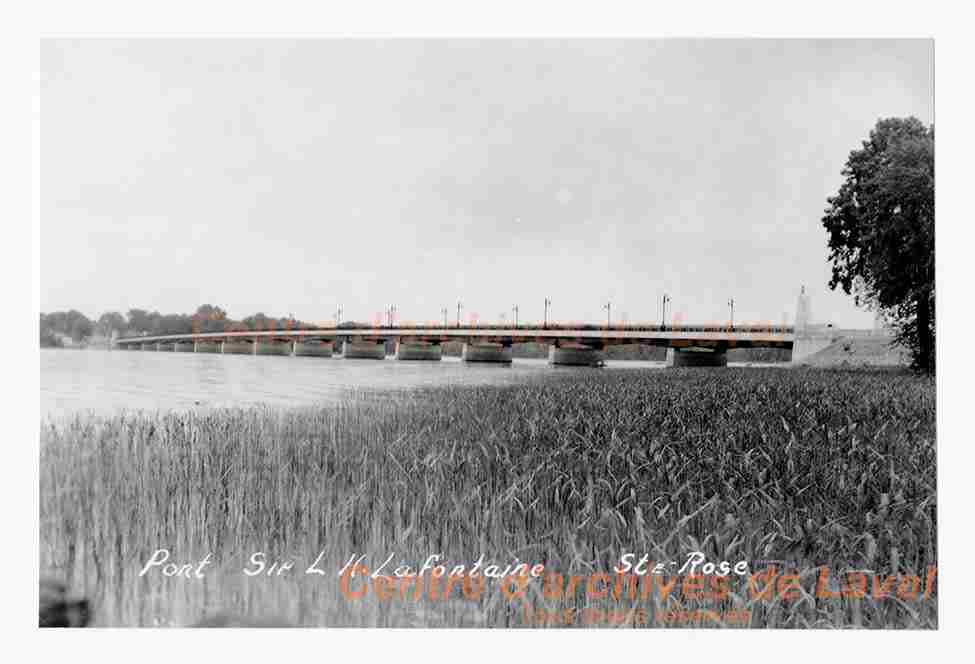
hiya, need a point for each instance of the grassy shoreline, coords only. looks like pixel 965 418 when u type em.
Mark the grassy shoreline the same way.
pixel 572 469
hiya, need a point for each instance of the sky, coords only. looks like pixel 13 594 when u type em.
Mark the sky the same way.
pixel 295 176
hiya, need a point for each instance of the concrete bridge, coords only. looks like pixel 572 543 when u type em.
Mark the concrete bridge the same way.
pixel 576 345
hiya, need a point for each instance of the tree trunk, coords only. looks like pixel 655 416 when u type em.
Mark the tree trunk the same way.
pixel 925 337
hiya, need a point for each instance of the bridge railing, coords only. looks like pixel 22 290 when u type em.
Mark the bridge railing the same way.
pixel 348 329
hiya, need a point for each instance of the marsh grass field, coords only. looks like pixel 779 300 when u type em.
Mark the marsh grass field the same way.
pixel 571 469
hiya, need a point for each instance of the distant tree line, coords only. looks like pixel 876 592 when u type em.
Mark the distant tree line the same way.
pixel 57 326
pixel 60 325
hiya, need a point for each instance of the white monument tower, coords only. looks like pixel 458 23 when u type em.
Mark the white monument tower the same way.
pixel 803 313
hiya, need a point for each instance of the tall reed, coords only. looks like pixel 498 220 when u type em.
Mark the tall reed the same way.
pixel 570 470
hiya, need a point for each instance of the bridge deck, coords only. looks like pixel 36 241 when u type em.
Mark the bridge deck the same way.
pixel 738 336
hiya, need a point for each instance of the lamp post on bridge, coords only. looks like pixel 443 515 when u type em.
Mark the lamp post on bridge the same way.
pixel 548 303
pixel 515 310
pixel 459 307
pixel 731 303
pixel 444 312
pixel 663 310
pixel 609 313
pixel 338 316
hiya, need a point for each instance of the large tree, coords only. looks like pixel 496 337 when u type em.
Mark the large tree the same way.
pixel 881 231
pixel 209 318
pixel 81 329
pixel 139 321
pixel 110 321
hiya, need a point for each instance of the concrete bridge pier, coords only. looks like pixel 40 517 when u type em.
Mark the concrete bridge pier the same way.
pixel 237 348
pixel 414 349
pixel 272 348
pixel 575 354
pixel 313 349
pixel 693 357
pixel 365 349
pixel 487 351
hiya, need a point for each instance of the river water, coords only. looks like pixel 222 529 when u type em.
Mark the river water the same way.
pixel 108 382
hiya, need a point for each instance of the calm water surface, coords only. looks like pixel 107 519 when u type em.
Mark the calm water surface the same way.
pixel 107 382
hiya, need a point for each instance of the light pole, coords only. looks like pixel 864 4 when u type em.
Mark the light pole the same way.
pixel 515 309
pixel 731 303
pixel 548 303
pixel 609 313
pixel 459 307
pixel 444 312
pixel 338 316
pixel 663 310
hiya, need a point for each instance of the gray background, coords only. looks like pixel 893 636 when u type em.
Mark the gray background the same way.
pixel 295 175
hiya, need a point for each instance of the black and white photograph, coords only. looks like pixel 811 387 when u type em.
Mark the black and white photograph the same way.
pixel 547 333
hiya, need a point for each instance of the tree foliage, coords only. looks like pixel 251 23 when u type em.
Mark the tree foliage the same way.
pixel 881 231
pixel 57 326
pixel 48 336
pixel 111 321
